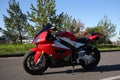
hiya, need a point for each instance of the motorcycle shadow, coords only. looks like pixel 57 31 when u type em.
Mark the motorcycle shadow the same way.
pixel 107 68
pixel 102 68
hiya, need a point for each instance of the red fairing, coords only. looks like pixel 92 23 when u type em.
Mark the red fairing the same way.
pixel 43 36
pixel 51 50
pixel 34 49
pixel 67 35
pixel 37 55
pixel 46 46
pixel 93 37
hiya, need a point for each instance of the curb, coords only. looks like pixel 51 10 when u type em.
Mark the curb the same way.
pixel 22 54
pixel 108 50
pixel 12 55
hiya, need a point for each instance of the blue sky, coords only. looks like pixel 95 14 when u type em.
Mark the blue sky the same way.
pixel 88 11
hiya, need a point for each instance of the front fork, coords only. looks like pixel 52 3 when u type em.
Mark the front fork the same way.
pixel 38 55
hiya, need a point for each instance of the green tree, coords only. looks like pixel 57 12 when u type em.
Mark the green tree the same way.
pixel 64 21
pixel 67 21
pixel 44 13
pixel 119 36
pixel 15 24
pixel 73 25
pixel 95 29
pixel 31 30
pixel 59 20
pixel 107 29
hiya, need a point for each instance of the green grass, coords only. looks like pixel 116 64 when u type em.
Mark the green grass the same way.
pixel 23 48
pixel 108 47
pixel 14 48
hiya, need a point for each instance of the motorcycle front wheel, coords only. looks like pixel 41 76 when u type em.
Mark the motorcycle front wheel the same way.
pixel 32 68
pixel 92 61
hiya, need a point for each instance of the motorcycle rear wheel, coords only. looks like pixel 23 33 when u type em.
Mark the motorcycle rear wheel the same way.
pixel 30 67
pixel 92 64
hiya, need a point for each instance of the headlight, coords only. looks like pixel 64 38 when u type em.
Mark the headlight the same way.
pixel 36 40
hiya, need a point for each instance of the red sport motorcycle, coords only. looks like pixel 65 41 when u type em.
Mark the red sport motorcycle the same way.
pixel 60 49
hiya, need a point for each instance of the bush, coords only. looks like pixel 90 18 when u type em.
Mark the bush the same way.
pixel 15 48
pixel 108 47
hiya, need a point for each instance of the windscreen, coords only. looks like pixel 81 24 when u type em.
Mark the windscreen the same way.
pixel 45 28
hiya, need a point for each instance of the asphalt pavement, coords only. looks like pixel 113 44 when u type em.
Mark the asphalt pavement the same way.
pixel 108 69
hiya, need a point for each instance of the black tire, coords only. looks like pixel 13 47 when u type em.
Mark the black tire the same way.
pixel 30 67
pixel 96 55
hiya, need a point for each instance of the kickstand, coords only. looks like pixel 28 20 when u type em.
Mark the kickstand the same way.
pixel 73 69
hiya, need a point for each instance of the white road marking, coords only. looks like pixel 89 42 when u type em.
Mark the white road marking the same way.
pixel 111 78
